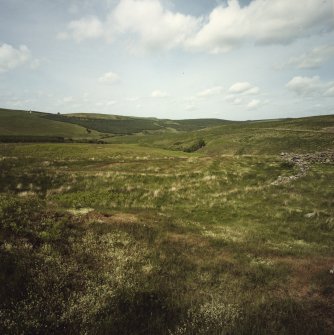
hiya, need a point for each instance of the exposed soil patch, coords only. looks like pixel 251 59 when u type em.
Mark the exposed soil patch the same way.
pixel 187 240
pixel 311 278
pixel 113 218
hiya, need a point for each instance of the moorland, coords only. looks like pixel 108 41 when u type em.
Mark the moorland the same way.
pixel 123 225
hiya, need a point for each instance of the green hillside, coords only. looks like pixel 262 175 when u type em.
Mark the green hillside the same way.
pixel 250 137
pixel 123 125
pixel 210 136
pixel 89 126
pixel 24 123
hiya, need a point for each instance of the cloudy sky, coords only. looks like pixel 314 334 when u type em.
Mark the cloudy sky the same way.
pixel 246 59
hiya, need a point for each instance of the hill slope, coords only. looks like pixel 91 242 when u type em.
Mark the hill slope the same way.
pixel 91 126
pixel 116 124
pixel 209 136
pixel 250 137
pixel 23 123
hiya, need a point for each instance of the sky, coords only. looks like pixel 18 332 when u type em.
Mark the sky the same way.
pixel 175 59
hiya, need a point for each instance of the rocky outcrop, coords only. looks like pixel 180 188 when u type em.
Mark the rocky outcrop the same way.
pixel 303 162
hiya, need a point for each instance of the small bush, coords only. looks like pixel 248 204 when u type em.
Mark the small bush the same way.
pixel 195 146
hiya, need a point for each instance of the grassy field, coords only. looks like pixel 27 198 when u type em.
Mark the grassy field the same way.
pixel 139 237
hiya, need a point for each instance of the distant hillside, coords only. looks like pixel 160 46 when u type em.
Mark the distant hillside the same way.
pixel 23 124
pixel 123 125
pixel 209 136
pixel 249 137
pixel 34 126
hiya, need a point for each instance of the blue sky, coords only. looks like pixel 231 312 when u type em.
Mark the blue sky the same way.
pixel 175 59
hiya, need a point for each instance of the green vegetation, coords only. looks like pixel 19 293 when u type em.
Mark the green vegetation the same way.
pixel 25 123
pixel 196 145
pixel 112 126
pixel 16 125
pixel 253 137
pixel 140 237
pixel 131 125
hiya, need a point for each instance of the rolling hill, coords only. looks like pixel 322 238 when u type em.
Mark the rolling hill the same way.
pixel 249 137
pixel 34 125
pixel 25 124
pixel 210 136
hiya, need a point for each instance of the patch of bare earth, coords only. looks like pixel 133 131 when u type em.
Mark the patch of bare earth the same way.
pixel 305 274
pixel 122 218
pixel 187 240
pixel 312 282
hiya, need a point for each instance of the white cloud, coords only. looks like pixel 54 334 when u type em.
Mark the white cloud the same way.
pixel 190 107
pixel 109 78
pixel 217 90
pixel 154 26
pixel 132 99
pixel 237 101
pixel 35 64
pixel 262 22
pixel 147 25
pixel 233 99
pixel 312 59
pixel 329 92
pixel 73 8
pixel 85 28
pixel 106 103
pixel 253 104
pixel 305 86
pixel 243 88
pixel 11 58
pixel 311 87
pixel 18 102
pixel 68 99
pixel 159 94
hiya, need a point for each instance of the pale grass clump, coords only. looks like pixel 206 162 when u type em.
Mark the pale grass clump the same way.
pixel 7 246
pixel 147 268
pixel 261 262
pixel 185 222
pixel 209 177
pixel 293 245
pixel 130 187
pixel 226 233
pixel 80 211
pixel 205 277
pixel 156 193
pixel 176 187
pixel 59 190
pixel 3 158
pixel 289 209
pixel 215 317
pixel 27 194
